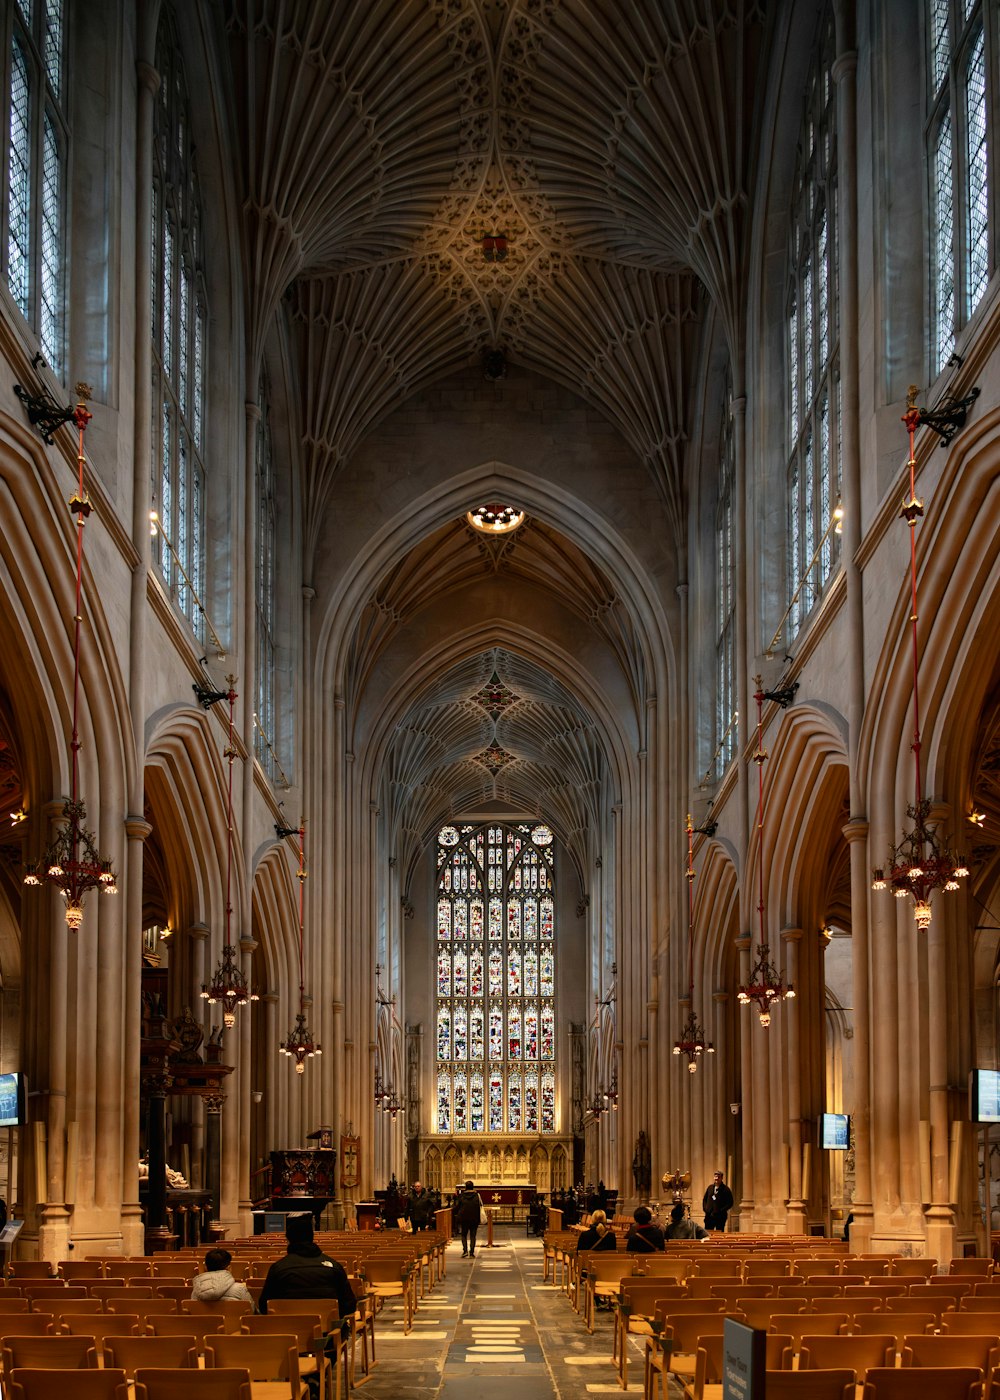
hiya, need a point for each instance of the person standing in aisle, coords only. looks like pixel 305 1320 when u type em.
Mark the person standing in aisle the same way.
pixel 717 1203
pixel 468 1214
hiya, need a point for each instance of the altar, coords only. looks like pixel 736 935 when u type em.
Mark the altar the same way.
pixel 507 1204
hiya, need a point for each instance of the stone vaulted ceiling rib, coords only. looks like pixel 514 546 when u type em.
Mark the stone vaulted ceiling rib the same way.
pixel 610 142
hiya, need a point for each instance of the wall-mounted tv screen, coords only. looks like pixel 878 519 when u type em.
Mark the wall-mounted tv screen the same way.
pixel 984 1096
pixel 13 1098
pixel 834 1131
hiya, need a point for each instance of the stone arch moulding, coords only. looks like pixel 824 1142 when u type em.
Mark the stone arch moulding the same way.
pixel 373 557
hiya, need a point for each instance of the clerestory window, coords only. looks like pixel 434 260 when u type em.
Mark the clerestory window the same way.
pixel 34 205
pixel 962 118
pixel 180 319
pixel 813 347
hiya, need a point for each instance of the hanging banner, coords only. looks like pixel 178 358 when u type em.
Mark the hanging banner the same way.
pixel 350 1156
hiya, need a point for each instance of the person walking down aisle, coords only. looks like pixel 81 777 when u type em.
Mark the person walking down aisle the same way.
pixel 469 1214
pixel 421 1207
pixel 717 1204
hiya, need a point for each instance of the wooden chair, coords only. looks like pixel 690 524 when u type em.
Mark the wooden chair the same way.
pixel 13 1303
pixel 851 1306
pixel 73 1269
pixel 34 1384
pixel 65 1306
pixel 115 1292
pixel 856 1352
pixel 880 1288
pixel 976 1304
pixel 125 1269
pixel 51 1288
pixel 708 1362
pixel 813 1268
pixel 756 1269
pixel 799 1325
pixel 152 1384
pixel 48 1353
pixel 310 1342
pixel 685 1332
pixel 810 1385
pixel 101 1325
pixel 897 1325
pixel 759 1311
pixel 921 1303
pixel 965 1324
pixel 27 1325
pixel 663 1266
pixel 186 1325
pixel 601 1278
pixel 132 1353
pixel 913 1268
pixel 171 1288
pixel 953 1350
pixel 31 1268
pixel 233 1310
pixel 182 1269
pixel 917 1383
pixel 871 1268
pixel 971 1268
pixel 388 1277
pixel 266 1357
pixel 145 1308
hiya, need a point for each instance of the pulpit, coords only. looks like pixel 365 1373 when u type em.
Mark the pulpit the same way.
pixel 303 1179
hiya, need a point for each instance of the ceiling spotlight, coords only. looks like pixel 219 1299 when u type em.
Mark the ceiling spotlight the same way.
pixel 495 518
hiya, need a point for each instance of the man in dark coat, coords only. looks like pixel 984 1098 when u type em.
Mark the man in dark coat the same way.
pixel 717 1203
pixel 468 1206
pixel 421 1207
pixel 306 1272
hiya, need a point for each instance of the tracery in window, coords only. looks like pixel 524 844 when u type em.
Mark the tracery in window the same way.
pixel 265 735
pixel 724 747
pixel 495 981
pixel 179 333
pixel 813 348
pixel 34 216
pixel 958 135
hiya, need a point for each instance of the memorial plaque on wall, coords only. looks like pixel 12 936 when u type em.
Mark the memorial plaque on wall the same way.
pixel 744 1357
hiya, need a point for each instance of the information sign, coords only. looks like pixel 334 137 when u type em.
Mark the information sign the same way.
pixel 744 1355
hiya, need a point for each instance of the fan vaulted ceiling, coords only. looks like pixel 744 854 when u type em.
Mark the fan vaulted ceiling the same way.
pixel 611 144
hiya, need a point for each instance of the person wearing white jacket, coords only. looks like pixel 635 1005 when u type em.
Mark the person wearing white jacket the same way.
pixel 217 1282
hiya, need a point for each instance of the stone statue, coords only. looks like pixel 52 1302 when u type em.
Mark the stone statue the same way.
pixel 642 1171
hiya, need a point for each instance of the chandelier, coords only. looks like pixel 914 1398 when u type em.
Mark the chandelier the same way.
pixel 921 863
pixel 229 987
pixel 692 1042
pixel 765 987
pixel 495 518
pixel 299 1043
pixel 72 862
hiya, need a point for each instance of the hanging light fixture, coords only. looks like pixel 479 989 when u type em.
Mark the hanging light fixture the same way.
pixel 229 987
pixel 765 987
pixel 71 862
pixel 692 1042
pixel 922 862
pixel 299 1043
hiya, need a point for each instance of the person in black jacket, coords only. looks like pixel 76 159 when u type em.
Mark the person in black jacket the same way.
pixel 421 1207
pixel 306 1272
pixel 644 1237
pixel 468 1207
pixel 682 1227
pixel 597 1234
pixel 717 1203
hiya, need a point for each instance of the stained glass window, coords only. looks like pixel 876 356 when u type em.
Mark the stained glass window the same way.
pixel 34 214
pixel 962 52
pixel 724 748
pixel 495 977
pixel 180 315
pixel 265 731
pixel 813 351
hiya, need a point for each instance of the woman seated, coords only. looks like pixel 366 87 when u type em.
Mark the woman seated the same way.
pixel 598 1234
pixel 644 1237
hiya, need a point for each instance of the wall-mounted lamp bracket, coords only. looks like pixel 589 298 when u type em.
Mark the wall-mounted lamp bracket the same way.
pixel 207 698
pixel 43 411
pixel 948 416
pixel 783 695
pixel 282 831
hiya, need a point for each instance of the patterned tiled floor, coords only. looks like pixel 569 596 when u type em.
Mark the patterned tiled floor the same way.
pixel 492 1321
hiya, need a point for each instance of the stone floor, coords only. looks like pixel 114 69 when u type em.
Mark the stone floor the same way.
pixel 490 1321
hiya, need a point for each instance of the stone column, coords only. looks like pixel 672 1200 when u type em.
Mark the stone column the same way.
pixel 158 1236
pixel 213 1149
pixel 744 1125
pixel 136 830
pixel 856 835
pixel 796 1211
pixel 940 1215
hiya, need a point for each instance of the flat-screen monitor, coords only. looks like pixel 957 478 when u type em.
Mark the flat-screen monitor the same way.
pixel 834 1131
pixel 13 1098
pixel 984 1096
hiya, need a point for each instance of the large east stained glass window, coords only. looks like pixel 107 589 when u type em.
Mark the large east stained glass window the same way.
pixel 180 322
pixel 37 140
pixel 961 58
pixel 495 970
pixel 813 346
